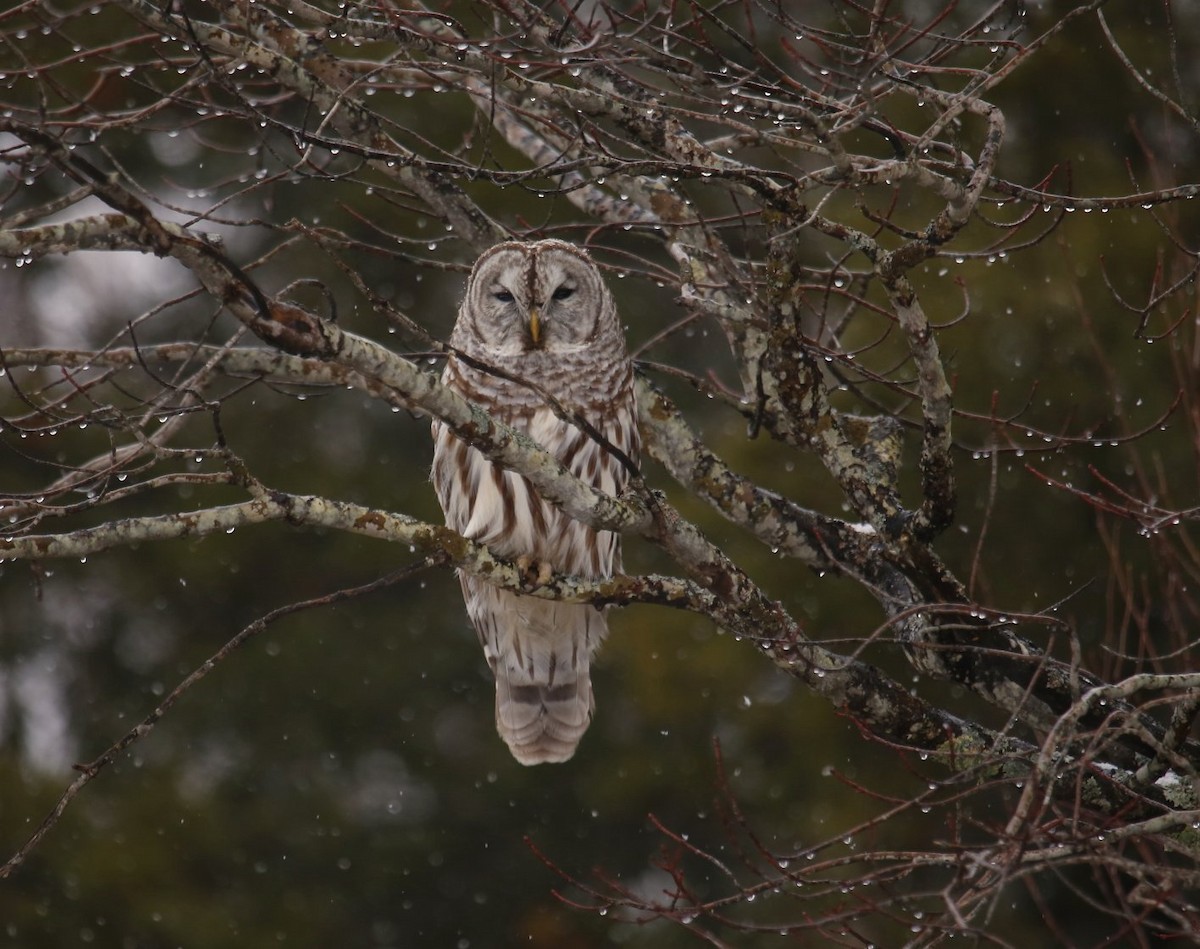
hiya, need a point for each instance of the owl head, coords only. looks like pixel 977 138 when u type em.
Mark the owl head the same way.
pixel 526 297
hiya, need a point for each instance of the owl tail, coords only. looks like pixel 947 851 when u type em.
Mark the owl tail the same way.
pixel 542 724
pixel 540 652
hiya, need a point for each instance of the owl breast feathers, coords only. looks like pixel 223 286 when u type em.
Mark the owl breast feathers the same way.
pixel 540 314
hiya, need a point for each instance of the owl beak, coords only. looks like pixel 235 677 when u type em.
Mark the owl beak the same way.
pixel 535 326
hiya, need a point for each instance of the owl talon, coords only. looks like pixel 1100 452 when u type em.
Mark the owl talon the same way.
pixel 535 572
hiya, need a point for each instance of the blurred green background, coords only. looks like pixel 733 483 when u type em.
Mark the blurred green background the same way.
pixel 338 781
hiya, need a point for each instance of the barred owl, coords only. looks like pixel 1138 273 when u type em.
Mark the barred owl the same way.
pixel 539 313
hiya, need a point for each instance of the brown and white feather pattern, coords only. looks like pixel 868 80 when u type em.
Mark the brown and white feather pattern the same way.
pixel 538 312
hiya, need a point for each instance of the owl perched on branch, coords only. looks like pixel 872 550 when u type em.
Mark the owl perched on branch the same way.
pixel 539 315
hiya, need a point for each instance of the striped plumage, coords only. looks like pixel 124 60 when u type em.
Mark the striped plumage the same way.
pixel 538 312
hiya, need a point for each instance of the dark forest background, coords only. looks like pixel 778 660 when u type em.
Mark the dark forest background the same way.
pixel 337 779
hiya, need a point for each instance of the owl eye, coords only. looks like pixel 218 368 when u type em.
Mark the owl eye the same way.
pixel 503 296
pixel 562 293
